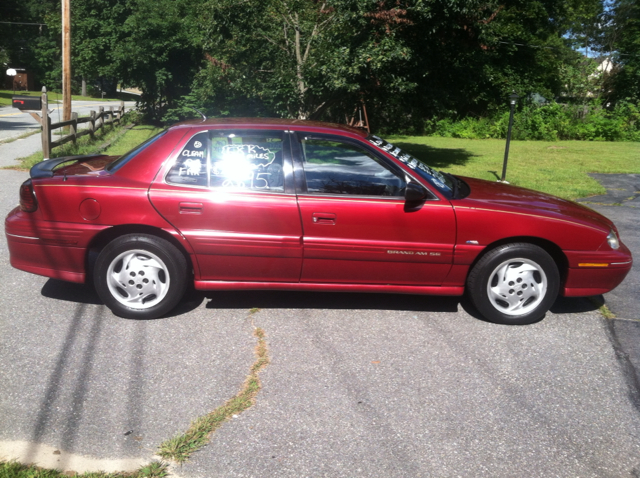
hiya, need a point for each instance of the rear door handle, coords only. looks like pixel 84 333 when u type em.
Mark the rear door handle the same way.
pixel 325 218
pixel 190 208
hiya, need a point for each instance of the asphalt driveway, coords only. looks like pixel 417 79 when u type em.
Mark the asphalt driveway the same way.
pixel 358 385
pixel 622 205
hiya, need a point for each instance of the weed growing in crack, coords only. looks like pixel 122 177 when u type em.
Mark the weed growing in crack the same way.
pixel 602 308
pixel 180 448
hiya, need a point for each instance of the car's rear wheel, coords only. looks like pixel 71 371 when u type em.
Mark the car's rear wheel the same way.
pixel 514 284
pixel 139 276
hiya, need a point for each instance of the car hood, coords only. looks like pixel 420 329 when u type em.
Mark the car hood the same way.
pixel 505 197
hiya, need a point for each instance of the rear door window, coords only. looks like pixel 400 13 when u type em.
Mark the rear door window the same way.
pixel 242 160
pixel 247 160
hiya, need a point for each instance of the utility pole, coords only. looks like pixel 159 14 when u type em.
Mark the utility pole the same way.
pixel 66 60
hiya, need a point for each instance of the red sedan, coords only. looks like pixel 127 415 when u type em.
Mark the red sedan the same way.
pixel 297 205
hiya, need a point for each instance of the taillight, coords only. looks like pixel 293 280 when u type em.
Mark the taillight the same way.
pixel 28 202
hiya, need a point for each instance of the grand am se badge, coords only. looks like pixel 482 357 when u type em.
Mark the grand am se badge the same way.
pixel 412 253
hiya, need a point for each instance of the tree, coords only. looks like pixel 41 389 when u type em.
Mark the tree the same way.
pixel 622 38
pixel 296 57
pixel 28 41
pixel 96 30
pixel 409 59
pixel 154 52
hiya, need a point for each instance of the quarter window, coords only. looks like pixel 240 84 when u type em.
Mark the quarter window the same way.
pixel 334 167
pixel 191 166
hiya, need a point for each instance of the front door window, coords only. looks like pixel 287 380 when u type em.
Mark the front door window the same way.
pixel 334 167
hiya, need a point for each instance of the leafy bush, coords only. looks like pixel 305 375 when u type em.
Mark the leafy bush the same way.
pixel 548 122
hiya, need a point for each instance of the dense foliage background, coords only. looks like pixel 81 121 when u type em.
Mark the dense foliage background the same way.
pixel 422 66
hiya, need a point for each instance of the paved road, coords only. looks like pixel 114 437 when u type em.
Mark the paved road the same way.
pixel 358 385
pixel 14 123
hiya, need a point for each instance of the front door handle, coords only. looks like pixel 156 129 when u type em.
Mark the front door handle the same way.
pixel 326 218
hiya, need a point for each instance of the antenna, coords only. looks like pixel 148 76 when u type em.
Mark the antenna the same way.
pixel 204 118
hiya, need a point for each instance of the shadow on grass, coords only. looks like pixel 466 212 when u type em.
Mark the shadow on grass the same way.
pixel 8 94
pixel 121 95
pixel 437 157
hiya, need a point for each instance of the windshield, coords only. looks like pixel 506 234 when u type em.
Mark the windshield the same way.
pixel 443 182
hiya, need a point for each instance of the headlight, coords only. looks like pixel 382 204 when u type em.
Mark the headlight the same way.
pixel 612 239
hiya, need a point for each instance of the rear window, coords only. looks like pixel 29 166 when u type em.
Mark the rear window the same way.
pixel 125 158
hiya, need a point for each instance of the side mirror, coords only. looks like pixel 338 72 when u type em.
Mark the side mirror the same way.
pixel 414 192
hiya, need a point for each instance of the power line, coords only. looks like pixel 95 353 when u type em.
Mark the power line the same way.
pixel 23 23
pixel 530 46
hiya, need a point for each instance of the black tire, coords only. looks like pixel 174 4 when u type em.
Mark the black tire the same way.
pixel 514 284
pixel 140 276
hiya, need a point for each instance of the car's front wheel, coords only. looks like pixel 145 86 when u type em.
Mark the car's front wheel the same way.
pixel 514 284
pixel 140 276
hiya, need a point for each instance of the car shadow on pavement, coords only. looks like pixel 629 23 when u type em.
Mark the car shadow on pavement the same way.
pixel 70 292
pixel 562 305
pixel 86 294
pixel 262 299
pixel 568 305
pixel 328 300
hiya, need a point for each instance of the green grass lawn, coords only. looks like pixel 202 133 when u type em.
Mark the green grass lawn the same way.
pixel 134 137
pixel 5 97
pixel 13 469
pixel 558 168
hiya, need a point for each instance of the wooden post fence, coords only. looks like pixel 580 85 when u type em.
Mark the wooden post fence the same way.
pixel 46 125
pixel 96 121
pixel 92 124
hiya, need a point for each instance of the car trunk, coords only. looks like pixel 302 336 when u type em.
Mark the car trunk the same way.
pixel 71 166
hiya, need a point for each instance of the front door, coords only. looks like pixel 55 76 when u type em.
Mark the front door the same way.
pixel 357 228
pixel 230 193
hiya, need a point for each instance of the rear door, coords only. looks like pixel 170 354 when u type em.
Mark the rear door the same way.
pixel 230 193
pixel 357 228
